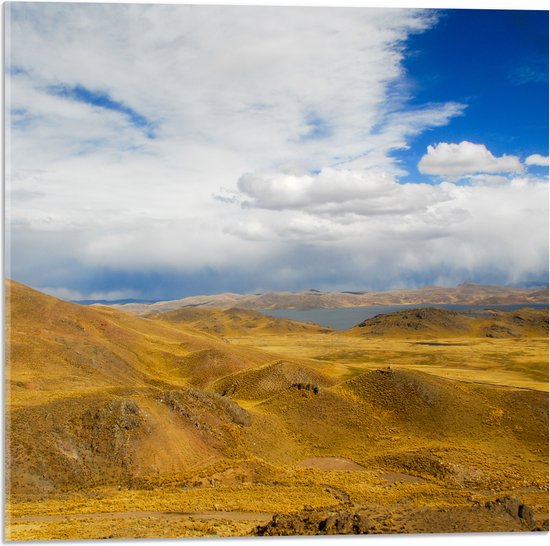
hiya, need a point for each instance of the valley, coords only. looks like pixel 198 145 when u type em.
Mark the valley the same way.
pixel 210 421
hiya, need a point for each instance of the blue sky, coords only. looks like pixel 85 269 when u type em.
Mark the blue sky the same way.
pixel 161 151
pixel 102 100
pixel 496 62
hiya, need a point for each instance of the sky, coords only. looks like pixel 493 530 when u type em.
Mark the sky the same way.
pixel 161 151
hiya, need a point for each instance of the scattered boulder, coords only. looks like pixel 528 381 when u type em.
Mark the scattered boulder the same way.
pixel 316 522
pixel 305 387
pixel 514 507
pixel 526 514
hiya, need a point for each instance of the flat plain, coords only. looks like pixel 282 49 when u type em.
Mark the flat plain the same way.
pixel 208 422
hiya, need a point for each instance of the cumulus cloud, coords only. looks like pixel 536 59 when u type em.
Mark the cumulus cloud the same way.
pixel 339 192
pixel 444 233
pixel 114 165
pixel 463 159
pixel 537 160
pixel 287 191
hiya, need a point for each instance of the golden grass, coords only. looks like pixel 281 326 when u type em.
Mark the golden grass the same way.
pixel 125 526
pixel 472 426
pixel 244 498
pixel 509 362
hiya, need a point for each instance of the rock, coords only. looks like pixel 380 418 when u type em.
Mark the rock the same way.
pixel 361 523
pixel 527 515
pixel 316 522
pixel 511 505
pixel 515 507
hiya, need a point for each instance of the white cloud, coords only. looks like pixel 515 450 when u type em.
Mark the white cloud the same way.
pixel 495 229
pixel 488 179
pixel 252 81
pixel 68 294
pixel 538 160
pixel 339 192
pixel 464 159
pixel 278 93
pixel 251 230
pixel 287 191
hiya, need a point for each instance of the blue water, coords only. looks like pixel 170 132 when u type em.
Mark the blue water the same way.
pixel 342 318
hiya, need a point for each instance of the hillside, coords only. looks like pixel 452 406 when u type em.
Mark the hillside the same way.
pixel 93 390
pixel 56 347
pixel 210 421
pixel 435 322
pixel 467 294
pixel 232 321
pixel 273 379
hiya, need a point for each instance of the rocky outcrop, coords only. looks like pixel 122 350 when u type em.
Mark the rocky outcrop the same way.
pixel 316 522
pixel 514 507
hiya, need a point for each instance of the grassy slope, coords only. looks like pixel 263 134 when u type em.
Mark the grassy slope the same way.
pixel 58 348
pixel 233 321
pixel 436 323
pixel 88 394
pixel 101 399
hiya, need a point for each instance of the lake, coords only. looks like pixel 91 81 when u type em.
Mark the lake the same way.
pixel 342 318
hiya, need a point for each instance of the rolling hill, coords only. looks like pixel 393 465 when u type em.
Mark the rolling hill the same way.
pixel 184 412
pixel 232 321
pixel 89 389
pixel 435 322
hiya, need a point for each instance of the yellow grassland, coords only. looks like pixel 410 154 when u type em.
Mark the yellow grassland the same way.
pixel 121 426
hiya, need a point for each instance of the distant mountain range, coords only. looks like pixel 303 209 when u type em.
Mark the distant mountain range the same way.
pixel 112 302
pixel 466 294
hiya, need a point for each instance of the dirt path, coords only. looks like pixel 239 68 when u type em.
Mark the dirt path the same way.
pixel 214 515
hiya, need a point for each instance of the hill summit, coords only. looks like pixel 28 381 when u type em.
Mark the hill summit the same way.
pixel 433 322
